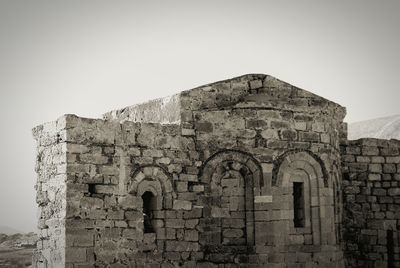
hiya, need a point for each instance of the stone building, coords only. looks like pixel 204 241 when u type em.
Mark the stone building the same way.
pixel 246 172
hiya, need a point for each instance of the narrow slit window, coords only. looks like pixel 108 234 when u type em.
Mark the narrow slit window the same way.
pixel 148 212
pixel 298 204
pixel 390 248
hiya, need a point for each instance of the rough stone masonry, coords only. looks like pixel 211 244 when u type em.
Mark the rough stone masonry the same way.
pixel 246 172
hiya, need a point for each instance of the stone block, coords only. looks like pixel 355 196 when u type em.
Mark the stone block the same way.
pixel 133 215
pixel 105 189
pixel 218 212
pixel 75 255
pixel 394 191
pixel 379 192
pixel 188 132
pixel 374 177
pixel 369 150
pixel 389 168
pixel 188 177
pixel 198 188
pixel 263 199
pixel 93 159
pixel 191 235
pixel 232 233
pixel 309 136
pixel 182 205
pixel 195 213
pixel 256 124
pixel 175 223
pixel 363 159
pixel 377 159
pixel 300 126
pixel 181 186
pixel 205 127
pixel 325 138
pixel 254 84
pixel 353 150
pixel 318 127
pixel 393 159
pixel 280 124
pixel 180 246
pixel 91 203
pixel 288 134
pixel 191 224
pixel 128 202
pixel 83 238
pixel 375 168
pixel 269 134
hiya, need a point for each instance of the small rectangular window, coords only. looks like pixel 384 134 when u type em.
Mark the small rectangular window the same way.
pixel 298 204
pixel 91 188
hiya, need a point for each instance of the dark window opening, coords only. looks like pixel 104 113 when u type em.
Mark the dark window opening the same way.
pixel 390 248
pixel 92 188
pixel 298 204
pixel 148 212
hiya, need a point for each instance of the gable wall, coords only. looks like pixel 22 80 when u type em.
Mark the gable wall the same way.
pixel 257 125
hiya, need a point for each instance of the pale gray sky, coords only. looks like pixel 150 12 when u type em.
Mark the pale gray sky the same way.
pixel 88 57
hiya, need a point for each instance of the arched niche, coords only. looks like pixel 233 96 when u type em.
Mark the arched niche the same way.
pixel 303 169
pixel 152 176
pixel 232 179
pixel 155 181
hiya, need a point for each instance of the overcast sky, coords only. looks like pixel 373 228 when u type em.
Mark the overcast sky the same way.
pixel 88 57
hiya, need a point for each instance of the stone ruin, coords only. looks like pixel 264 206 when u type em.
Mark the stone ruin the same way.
pixel 246 172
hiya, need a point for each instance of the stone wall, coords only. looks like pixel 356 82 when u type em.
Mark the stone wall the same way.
pixel 262 131
pixel 110 166
pixel 217 189
pixel 51 193
pixel 371 194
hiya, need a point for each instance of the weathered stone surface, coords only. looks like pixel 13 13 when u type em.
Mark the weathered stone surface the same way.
pixel 368 214
pixel 206 178
pixel 182 205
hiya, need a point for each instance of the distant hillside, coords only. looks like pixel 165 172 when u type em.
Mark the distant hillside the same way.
pixel 16 249
pixel 381 128
pixel 8 230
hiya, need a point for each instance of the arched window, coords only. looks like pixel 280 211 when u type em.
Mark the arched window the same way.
pixel 303 174
pixel 148 211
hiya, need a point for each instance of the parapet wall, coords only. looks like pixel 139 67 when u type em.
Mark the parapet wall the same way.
pixel 164 111
pixel 371 198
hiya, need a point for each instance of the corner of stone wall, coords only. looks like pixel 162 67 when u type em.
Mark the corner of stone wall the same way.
pixel 51 159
